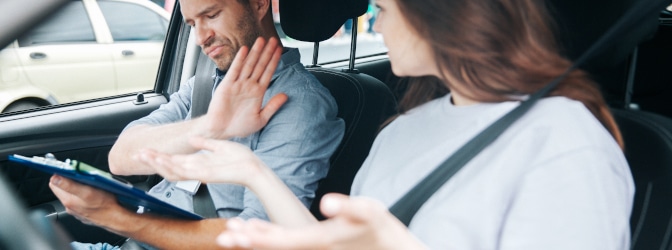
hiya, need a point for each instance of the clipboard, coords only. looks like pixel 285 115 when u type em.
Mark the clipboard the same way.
pixel 124 191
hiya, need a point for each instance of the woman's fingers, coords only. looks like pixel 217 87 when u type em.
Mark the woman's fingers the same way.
pixel 264 235
pixel 222 147
pixel 357 209
pixel 170 167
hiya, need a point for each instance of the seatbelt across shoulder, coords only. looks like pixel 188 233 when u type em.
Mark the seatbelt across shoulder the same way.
pixel 203 86
pixel 200 100
pixel 406 207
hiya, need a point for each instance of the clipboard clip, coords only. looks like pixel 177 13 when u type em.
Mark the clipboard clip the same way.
pixel 79 167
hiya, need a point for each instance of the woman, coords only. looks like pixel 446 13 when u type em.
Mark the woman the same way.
pixel 557 178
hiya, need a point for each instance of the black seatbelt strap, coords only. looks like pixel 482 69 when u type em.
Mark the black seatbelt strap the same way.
pixel 406 207
pixel 203 204
pixel 200 100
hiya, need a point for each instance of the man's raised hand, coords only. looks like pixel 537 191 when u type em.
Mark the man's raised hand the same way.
pixel 236 107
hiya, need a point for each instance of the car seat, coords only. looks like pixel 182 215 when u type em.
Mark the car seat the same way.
pixel 647 136
pixel 364 102
pixel 581 23
pixel 653 91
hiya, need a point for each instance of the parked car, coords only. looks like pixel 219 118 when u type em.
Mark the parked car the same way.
pixel 89 49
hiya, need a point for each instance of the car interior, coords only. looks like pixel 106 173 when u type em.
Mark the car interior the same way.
pixel 632 76
pixel 646 130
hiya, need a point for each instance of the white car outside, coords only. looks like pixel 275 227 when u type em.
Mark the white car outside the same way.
pixel 90 49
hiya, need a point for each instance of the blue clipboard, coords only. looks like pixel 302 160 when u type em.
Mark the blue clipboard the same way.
pixel 125 192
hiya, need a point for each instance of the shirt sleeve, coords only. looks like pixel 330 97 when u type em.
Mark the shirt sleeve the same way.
pixel 578 200
pixel 297 144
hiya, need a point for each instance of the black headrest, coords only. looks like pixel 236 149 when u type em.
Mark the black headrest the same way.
pixel 317 20
pixel 582 22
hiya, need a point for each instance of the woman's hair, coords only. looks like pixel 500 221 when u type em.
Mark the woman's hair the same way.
pixel 493 51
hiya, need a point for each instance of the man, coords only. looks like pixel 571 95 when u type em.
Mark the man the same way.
pixel 296 143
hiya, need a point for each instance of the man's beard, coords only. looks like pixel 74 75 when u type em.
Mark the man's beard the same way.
pixel 249 30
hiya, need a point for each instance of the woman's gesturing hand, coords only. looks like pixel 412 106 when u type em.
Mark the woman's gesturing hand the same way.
pixel 226 162
pixel 236 106
pixel 354 223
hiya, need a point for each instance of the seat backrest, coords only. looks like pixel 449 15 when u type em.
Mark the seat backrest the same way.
pixel 580 23
pixel 648 148
pixel 364 102
pixel 652 89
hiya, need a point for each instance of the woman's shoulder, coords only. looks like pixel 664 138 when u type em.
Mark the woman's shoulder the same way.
pixel 559 111
pixel 561 119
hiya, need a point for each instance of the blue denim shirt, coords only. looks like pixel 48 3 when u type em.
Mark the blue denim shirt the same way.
pixel 296 143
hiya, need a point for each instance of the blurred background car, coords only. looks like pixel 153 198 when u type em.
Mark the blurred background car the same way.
pixel 90 49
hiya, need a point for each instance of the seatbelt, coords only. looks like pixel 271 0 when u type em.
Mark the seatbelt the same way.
pixel 406 207
pixel 203 204
pixel 200 100
pixel 203 85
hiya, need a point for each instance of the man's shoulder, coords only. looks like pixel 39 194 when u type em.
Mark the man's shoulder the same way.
pixel 297 79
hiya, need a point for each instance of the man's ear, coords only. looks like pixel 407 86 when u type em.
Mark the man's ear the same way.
pixel 260 7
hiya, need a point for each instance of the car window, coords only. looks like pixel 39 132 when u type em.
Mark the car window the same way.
pixel 88 50
pixel 71 24
pixel 337 48
pixel 130 22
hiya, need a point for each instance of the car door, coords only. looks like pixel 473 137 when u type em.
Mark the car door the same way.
pixel 63 57
pixel 85 131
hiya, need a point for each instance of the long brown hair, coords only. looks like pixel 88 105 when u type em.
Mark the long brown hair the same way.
pixel 493 51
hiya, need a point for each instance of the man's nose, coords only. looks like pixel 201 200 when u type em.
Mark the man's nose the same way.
pixel 203 34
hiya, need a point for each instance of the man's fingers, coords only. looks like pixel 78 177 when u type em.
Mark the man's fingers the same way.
pixel 252 58
pixel 273 106
pixel 66 184
pixel 55 184
pixel 265 59
pixel 72 193
pixel 237 65
pixel 266 77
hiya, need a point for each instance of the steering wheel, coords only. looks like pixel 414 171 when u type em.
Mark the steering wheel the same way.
pixel 19 230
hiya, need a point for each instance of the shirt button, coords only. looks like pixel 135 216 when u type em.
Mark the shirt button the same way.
pixel 168 194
